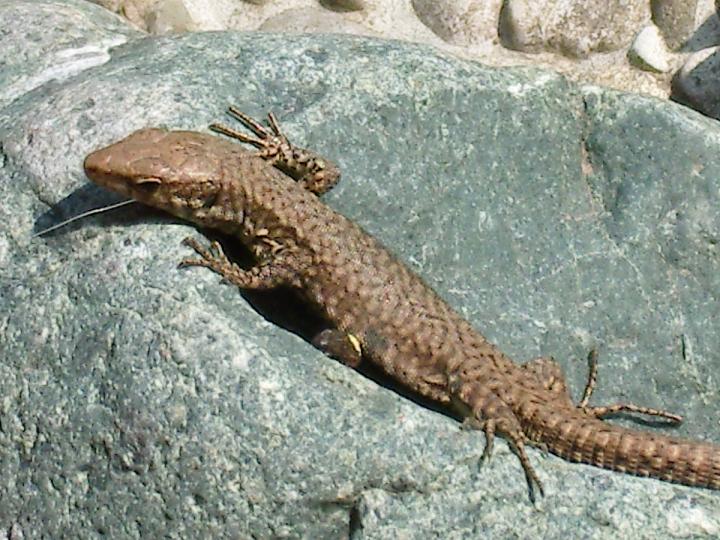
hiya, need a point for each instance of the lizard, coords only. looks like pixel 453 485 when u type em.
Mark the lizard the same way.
pixel 378 310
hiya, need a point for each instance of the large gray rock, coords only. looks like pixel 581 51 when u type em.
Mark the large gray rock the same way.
pixel 139 400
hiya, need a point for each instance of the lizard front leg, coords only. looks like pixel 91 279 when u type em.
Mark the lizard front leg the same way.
pixel 274 273
pixel 280 270
pixel 313 172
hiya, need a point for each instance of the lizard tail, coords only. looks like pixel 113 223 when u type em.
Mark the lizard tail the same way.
pixel 584 438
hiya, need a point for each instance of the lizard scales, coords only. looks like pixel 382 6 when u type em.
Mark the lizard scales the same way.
pixel 379 309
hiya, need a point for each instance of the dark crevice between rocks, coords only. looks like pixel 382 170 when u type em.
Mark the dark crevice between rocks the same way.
pixel 586 162
pixel 3 155
pixel 354 523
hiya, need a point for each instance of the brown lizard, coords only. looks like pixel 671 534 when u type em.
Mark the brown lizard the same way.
pixel 379 309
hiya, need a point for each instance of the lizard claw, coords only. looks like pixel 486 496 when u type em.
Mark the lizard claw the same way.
pixel 310 170
pixel 198 247
pixel 488 426
pixel 599 412
pixel 212 257
pixel 269 142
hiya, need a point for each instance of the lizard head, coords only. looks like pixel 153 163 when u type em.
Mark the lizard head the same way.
pixel 172 170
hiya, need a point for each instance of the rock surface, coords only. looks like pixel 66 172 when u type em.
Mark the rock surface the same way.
pixel 138 400
pixel 648 50
pixel 573 27
pixel 587 41
pixel 461 22
pixel 697 82
pixel 675 19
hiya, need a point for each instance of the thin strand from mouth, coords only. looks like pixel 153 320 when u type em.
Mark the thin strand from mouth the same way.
pixel 83 215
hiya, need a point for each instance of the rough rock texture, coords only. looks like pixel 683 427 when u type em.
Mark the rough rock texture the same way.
pixel 141 401
pixel 314 20
pixel 461 22
pixel 590 42
pixel 573 27
pixel 676 20
pixel 58 47
pixel 696 84
pixel 648 51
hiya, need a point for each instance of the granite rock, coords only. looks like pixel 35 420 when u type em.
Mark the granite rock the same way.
pixel 461 22
pixel 571 27
pixel 697 81
pixel 138 400
pixel 648 50
pixel 675 19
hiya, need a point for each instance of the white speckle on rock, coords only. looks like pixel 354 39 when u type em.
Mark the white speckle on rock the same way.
pixel 540 81
pixel 4 250
pixel 688 521
pixel 271 388
pixel 242 359
pixel 484 221
pixel 539 324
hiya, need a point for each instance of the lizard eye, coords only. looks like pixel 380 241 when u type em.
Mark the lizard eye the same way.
pixel 210 200
pixel 148 184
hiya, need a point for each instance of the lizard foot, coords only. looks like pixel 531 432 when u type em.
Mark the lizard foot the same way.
pixel 268 275
pixel 510 429
pixel 488 427
pixel 599 412
pixel 314 173
pixel 269 142
pixel 489 413
pixel 212 257
pixel 533 481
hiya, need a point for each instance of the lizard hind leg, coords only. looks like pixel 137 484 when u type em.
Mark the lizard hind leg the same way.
pixel 510 429
pixel 315 173
pixel 491 415
pixel 599 412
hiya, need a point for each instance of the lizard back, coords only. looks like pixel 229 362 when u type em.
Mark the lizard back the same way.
pixel 402 325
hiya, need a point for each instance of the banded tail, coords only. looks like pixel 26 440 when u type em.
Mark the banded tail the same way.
pixel 582 438
pixel 578 433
